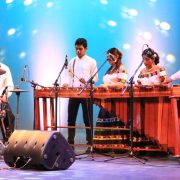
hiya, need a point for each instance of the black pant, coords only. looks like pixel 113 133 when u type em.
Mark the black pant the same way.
pixel 73 107
pixel 7 121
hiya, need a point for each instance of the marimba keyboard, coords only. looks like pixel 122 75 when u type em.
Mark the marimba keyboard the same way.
pixel 156 109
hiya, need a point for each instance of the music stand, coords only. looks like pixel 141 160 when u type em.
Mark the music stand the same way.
pixel 18 92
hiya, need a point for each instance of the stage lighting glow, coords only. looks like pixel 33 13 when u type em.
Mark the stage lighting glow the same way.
pixel 104 2
pixel 142 36
pixel 153 1
pixel 157 22
pixel 11 31
pixel 9 1
pixel 147 35
pixel 112 23
pixel 35 31
pixel 165 26
pixel 129 13
pixel 132 12
pixel 171 58
pixel 28 2
pixel 22 55
pixel 126 46
pixel 49 4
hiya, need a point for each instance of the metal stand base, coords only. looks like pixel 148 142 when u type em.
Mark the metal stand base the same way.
pixel 128 154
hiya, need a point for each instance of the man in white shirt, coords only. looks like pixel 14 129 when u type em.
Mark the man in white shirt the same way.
pixel 174 77
pixel 80 69
pixel 6 85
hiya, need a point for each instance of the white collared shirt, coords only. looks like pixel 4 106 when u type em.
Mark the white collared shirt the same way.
pixel 78 68
pixel 6 80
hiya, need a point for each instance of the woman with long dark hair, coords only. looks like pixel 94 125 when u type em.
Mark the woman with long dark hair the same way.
pixel 152 74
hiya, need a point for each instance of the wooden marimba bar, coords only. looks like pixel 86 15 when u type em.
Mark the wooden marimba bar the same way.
pixel 156 110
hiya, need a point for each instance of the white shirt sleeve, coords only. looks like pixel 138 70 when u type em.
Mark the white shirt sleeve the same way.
pixel 176 76
pixel 6 80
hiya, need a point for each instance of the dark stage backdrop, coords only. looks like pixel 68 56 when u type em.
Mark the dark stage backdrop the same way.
pixel 39 34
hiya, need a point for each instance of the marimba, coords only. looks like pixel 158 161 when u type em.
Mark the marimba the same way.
pixel 156 110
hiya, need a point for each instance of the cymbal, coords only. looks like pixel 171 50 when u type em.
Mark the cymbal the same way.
pixel 19 90
pixel 2 71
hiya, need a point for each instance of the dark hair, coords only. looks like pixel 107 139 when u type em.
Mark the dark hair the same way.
pixel 81 41
pixel 115 52
pixel 151 54
pixel 119 55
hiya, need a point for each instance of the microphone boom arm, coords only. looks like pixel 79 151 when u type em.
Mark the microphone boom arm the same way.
pixel 132 78
pixel 92 77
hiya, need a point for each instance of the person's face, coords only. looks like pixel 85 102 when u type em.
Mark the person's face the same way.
pixel 148 62
pixel 80 50
pixel 112 59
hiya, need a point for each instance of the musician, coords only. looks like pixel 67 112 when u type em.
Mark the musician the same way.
pixel 152 74
pixel 6 115
pixel 80 69
pixel 115 76
pixel 173 77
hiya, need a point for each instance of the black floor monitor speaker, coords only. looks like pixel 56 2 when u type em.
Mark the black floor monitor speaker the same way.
pixel 41 149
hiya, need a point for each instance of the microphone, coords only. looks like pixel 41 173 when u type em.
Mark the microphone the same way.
pixel 24 70
pixel 66 62
pixel 4 91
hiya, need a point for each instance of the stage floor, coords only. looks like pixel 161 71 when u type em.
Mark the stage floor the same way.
pixel 96 167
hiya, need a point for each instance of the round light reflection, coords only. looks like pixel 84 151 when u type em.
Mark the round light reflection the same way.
pixel 9 1
pixel 28 2
pixel 112 23
pixel 171 58
pixel 11 31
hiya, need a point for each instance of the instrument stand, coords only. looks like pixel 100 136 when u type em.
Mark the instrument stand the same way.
pixel 18 91
pixel 17 108
pixel 56 100
pixel 131 94
pixel 56 90
pixel 90 153
pixel 34 85
pixel 90 82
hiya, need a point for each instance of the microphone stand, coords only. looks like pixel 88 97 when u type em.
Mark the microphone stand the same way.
pixel 90 81
pixel 131 118
pixel 34 85
pixel 56 92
